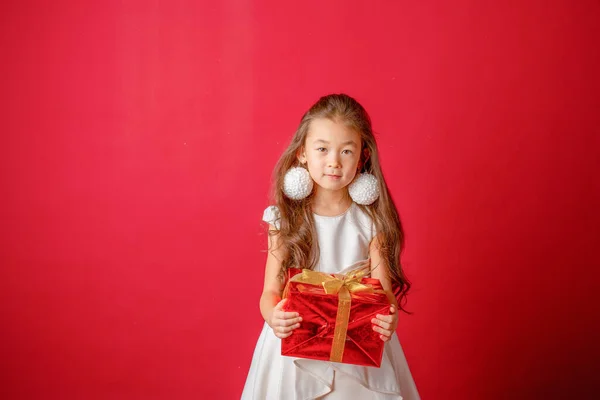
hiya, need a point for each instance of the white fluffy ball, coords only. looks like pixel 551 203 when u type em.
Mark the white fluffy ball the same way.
pixel 364 190
pixel 297 183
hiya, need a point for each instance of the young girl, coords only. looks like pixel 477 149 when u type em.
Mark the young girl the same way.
pixel 332 210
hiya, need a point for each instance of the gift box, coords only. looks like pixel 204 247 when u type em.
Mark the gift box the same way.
pixel 336 316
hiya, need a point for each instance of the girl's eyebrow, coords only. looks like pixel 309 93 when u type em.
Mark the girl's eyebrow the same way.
pixel 349 142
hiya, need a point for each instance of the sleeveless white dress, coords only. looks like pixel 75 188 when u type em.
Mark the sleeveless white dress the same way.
pixel 343 240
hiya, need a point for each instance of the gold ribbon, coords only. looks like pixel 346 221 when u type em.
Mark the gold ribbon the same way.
pixel 343 286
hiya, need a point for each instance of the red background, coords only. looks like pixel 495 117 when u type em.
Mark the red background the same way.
pixel 138 139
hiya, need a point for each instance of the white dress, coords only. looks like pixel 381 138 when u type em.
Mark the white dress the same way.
pixel 343 240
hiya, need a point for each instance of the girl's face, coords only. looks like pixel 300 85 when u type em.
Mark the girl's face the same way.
pixel 332 153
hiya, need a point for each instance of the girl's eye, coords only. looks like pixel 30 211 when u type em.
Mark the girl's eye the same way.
pixel 321 149
pixel 347 152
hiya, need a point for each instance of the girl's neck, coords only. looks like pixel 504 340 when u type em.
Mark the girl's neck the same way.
pixel 330 203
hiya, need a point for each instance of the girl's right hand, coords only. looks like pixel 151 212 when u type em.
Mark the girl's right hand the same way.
pixel 282 322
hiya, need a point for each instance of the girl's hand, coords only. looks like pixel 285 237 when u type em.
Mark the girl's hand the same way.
pixel 283 323
pixel 386 324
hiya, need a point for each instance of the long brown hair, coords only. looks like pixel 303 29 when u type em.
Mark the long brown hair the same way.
pixel 296 224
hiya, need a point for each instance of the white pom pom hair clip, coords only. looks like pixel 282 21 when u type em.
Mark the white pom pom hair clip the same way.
pixel 297 185
pixel 365 189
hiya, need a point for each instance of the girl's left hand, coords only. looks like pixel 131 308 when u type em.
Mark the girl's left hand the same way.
pixel 386 324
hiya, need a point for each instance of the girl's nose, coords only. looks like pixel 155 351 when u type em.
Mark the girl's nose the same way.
pixel 333 162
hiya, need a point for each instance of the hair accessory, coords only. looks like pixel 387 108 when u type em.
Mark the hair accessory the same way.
pixel 297 183
pixel 365 189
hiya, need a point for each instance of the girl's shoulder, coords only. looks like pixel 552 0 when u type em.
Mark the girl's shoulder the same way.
pixel 363 220
pixel 355 216
pixel 271 216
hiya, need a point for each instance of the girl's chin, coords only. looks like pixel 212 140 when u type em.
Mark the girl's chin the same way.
pixel 331 186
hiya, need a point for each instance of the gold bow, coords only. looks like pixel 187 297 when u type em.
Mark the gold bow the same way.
pixel 342 285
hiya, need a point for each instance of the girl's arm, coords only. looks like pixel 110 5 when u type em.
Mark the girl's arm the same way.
pixel 271 305
pixel 383 324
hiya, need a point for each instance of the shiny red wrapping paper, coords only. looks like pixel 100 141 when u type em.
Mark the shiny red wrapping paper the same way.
pixel 314 338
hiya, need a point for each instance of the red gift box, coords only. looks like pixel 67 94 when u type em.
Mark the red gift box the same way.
pixel 336 326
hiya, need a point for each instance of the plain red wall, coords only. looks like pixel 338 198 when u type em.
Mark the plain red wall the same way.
pixel 138 140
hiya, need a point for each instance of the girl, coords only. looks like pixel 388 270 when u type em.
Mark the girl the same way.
pixel 332 210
